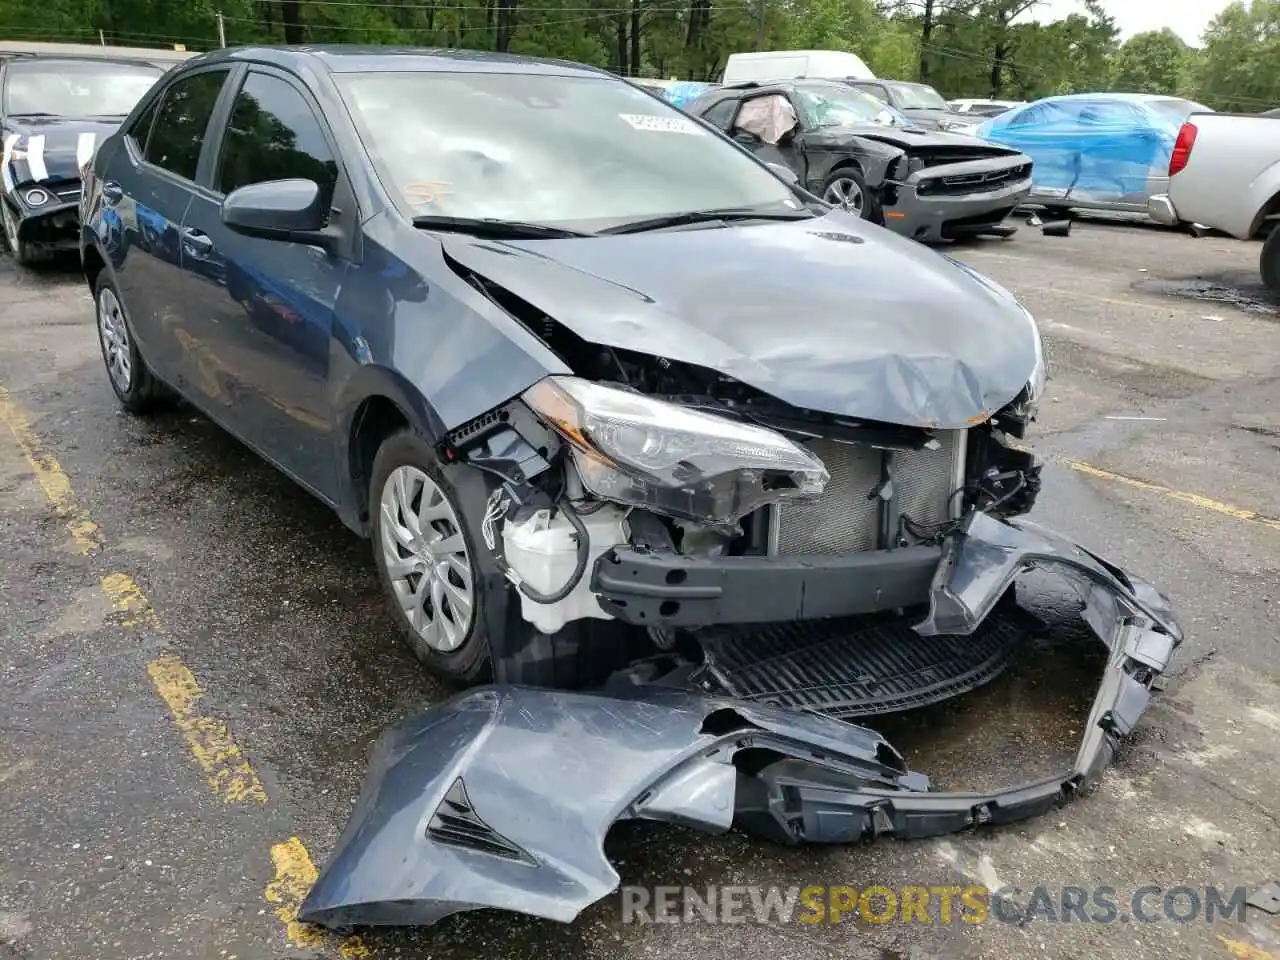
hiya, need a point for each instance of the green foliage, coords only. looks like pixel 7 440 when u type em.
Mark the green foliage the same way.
pixel 963 47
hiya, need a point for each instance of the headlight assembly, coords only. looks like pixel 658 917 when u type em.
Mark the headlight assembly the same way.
pixel 638 450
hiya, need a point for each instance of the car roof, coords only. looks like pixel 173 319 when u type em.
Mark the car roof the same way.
pixel 344 58
pixel 1127 97
pixel 72 58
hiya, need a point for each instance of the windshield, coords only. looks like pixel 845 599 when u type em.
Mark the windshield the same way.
pixel 917 96
pixel 1176 109
pixel 73 88
pixel 583 153
pixel 834 105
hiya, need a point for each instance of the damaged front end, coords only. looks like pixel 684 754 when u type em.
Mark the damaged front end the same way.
pixel 799 540
pixel 502 797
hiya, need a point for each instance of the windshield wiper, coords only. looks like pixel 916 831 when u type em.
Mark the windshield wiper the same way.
pixel 727 214
pixel 495 228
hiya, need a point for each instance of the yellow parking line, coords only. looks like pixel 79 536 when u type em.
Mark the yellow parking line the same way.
pixel 1246 951
pixel 1195 499
pixel 295 875
pixel 127 597
pixel 225 767
pixel 51 477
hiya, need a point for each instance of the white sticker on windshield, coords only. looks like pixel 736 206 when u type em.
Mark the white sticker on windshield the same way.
pixel 645 121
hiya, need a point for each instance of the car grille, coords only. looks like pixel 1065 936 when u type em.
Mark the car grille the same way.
pixel 844 519
pixel 973 182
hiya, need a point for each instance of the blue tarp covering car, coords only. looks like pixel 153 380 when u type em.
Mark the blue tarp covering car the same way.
pixel 1103 150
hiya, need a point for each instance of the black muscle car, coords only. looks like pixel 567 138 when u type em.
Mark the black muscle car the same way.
pixel 53 113
pixel 847 148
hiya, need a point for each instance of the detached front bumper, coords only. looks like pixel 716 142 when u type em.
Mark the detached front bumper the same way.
pixel 50 227
pixel 942 203
pixel 501 797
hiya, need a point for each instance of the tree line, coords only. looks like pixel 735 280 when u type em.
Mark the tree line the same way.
pixel 965 48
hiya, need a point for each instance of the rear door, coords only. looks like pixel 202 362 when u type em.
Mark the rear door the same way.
pixel 148 184
pixel 265 307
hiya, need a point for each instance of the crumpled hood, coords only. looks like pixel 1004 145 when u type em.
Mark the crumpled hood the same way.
pixel 831 314
pixel 49 149
pixel 909 138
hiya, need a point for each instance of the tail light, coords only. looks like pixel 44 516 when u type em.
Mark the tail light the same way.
pixel 1182 148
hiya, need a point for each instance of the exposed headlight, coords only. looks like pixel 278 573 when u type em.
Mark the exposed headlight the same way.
pixel 638 450
pixel 36 197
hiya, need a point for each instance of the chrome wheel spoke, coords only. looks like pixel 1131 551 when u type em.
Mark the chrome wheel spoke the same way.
pixel 425 556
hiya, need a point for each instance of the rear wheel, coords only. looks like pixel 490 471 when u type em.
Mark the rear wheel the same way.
pixel 1269 262
pixel 130 378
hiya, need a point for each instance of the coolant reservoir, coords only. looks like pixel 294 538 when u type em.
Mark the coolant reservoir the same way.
pixel 543 551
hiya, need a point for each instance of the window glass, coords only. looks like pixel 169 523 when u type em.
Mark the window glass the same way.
pixel 178 133
pixel 142 126
pixel 79 89
pixel 836 105
pixel 918 96
pixel 581 152
pixel 274 135
pixel 721 115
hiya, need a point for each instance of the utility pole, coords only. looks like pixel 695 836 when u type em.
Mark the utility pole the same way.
pixel 760 26
pixel 222 30
pixel 102 40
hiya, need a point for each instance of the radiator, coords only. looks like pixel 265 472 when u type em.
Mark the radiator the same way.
pixel 844 519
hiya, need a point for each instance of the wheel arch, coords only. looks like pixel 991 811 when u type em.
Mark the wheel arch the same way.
pixel 376 403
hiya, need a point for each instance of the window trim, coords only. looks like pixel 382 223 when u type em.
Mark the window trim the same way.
pixel 215 137
pixel 734 103
pixel 143 163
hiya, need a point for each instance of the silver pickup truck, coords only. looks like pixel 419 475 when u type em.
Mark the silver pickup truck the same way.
pixel 1224 173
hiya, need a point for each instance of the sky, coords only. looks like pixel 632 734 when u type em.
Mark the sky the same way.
pixel 1187 18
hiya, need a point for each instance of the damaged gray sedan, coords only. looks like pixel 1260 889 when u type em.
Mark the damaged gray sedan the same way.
pixel 685 469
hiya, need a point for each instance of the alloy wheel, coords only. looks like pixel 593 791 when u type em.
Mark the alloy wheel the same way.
pixel 116 347
pixel 425 556
pixel 845 192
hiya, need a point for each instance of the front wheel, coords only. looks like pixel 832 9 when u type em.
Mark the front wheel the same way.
pixel 22 251
pixel 1269 262
pixel 428 559
pixel 847 188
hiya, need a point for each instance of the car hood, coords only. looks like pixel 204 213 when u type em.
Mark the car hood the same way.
pixel 832 314
pixel 908 138
pixel 49 149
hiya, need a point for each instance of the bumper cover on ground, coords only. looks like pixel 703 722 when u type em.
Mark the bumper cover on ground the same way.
pixel 502 797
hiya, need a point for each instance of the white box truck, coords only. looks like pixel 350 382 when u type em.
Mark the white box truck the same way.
pixel 795 65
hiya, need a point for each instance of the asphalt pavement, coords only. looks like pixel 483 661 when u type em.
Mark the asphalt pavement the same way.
pixel 195 659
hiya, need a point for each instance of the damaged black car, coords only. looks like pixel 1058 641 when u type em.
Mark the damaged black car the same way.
pixel 53 113
pixel 848 148
pixel 681 469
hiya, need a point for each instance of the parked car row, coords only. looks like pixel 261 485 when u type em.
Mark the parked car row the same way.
pixel 54 110
pixel 844 146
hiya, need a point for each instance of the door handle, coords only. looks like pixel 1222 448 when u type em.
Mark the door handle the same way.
pixel 198 241
pixel 112 192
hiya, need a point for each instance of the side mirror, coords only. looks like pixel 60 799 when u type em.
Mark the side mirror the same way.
pixel 784 173
pixel 292 211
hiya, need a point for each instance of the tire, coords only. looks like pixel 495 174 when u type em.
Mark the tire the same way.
pixel 458 649
pixel 841 183
pixel 130 377
pixel 1269 262
pixel 584 652
pixel 22 251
